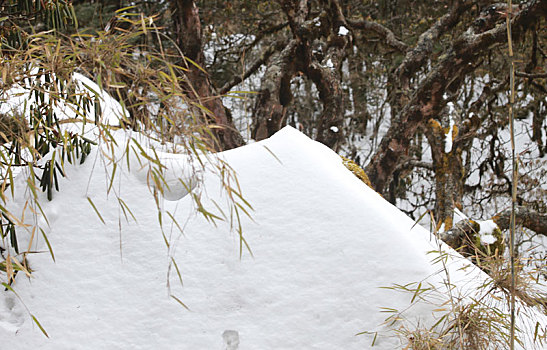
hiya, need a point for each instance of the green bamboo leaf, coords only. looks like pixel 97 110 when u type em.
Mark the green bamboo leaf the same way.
pixel 195 64
pixel 125 9
pixel 8 287
pixel 419 219
pixel 39 325
pixel 96 211
pixel 175 221
pixel 48 244
pixel 439 322
pixel 114 167
pixel 416 292
pixel 374 340
pixel 125 208
pixel 73 16
pixel 180 302
pixel 244 210
pixel 178 271
pixel 165 240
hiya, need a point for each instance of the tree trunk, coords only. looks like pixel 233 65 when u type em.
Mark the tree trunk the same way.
pixel 449 172
pixel 188 37
pixel 275 93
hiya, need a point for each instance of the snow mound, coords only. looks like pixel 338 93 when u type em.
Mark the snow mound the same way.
pixel 323 244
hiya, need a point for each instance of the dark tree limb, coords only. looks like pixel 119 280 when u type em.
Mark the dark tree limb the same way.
pixel 419 54
pixel 274 95
pixel 327 80
pixel 188 28
pixel 254 67
pixel 408 164
pixel 526 217
pixel 448 169
pixel 386 34
pixel 530 75
pixel 297 12
pixel 258 38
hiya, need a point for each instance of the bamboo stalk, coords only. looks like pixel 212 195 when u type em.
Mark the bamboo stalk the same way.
pixel 514 171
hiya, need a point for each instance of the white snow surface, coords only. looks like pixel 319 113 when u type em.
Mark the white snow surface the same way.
pixel 487 227
pixel 486 231
pixel 343 31
pixel 459 216
pixel 448 138
pixel 488 239
pixel 323 244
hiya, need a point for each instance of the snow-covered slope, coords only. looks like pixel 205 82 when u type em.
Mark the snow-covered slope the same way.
pixel 323 244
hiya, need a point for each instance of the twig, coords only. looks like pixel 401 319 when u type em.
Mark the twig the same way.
pixel 530 75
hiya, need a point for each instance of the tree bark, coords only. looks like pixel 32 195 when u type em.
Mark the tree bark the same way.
pixel 275 95
pixel 387 35
pixel 449 172
pixel 526 217
pixel 200 89
pixel 327 79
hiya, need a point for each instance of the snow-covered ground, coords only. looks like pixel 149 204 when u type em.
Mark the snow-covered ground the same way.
pixel 323 245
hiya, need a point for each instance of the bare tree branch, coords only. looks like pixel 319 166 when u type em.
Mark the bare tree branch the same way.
pixel 530 75
pixel 326 77
pixel 416 57
pixel 526 217
pixel 265 32
pixel 382 31
pixel 254 67
pixel 414 163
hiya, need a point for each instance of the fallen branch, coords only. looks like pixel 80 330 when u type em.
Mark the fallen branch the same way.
pixel 526 217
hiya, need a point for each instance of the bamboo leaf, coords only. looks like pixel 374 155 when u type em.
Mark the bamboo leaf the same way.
pixel 48 244
pixel 276 158
pixel 180 302
pixel 178 270
pixel 39 325
pixel 96 211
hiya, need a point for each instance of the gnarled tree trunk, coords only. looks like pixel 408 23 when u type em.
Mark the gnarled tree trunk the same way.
pixel 299 57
